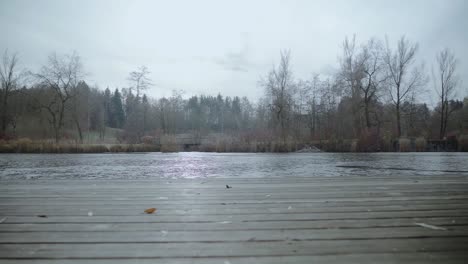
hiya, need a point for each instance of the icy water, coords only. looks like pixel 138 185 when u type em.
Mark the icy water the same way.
pixel 205 165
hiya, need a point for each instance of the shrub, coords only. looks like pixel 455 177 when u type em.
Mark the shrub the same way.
pixel 6 148
pixel 369 141
pixel 355 146
pixel 170 148
pixel 149 140
pixel 145 148
pixel 93 149
pixel 463 143
pixel 207 147
pixel 169 144
pixel 28 146
pixel 336 145
pixel 404 145
pixel 117 148
pixel 420 144
pixel 253 146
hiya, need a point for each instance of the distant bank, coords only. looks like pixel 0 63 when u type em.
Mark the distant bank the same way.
pixel 226 145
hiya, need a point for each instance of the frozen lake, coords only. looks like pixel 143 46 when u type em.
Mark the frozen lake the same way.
pixel 244 165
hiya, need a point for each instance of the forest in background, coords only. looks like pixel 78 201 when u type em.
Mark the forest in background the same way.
pixel 376 98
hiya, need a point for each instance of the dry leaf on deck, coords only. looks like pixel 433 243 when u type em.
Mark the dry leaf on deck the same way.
pixel 150 210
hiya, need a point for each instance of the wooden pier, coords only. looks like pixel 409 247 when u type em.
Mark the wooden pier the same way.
pixel 349 219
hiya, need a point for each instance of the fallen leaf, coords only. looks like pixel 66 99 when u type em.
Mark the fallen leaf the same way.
pixel 42 216
pixel 228 187
pixel 150 210
pixel 433 227
pixel 3 220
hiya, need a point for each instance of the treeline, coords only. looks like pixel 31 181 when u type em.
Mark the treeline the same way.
pixel 375 98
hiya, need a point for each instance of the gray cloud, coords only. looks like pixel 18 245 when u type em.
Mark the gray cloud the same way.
pixel 221 46
pixel 234 61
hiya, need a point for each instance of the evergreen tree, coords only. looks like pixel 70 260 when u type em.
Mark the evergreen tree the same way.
pixel 145 109
pixel 107 108
pixel 236 112
pixel 118 113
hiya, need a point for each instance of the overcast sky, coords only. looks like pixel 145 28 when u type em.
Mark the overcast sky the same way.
pixel 206 47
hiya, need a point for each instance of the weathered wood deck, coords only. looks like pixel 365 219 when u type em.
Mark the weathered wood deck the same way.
pixel 271 220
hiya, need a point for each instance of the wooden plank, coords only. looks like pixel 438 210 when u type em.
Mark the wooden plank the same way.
pixel 368 258
pixel 157 200
pixel 165 236
pixel 141 217
pixel 260 187
pixel 260 184
pixel 242 183
pixel 259 220
pixel 437 203
pixel 207 195
pixel 232 249
pixel 447 222
pixel 218 210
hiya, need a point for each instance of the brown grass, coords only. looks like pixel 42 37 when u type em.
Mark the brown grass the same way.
pixel 405 145
pixel 25 145
pixel 420 144
pixel 234 145
pixel 169 144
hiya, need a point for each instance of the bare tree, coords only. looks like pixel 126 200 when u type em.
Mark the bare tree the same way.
pixel 9 77
pixel 308 95
pixel 140 80
pixel 446 82
pixel 351 76
pixel 279 87
pixel 372 67
pixel 60 76
pixel 79 107
pixel 404 78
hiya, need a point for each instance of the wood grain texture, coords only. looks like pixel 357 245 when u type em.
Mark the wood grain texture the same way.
pixel 259 220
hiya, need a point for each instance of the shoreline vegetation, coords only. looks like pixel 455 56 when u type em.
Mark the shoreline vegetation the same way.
pixel 370 104
pixel 228 145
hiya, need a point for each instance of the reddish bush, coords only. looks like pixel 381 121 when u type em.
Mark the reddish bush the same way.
pixel 369 141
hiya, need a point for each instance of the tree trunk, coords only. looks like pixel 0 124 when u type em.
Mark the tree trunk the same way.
pixel 78 127
pixel 59 124
pixel 57 133
pixel 366 112
pixel 442 117
pixel 446 115
pixel 4 113
pixel 313 120
pixel 398 119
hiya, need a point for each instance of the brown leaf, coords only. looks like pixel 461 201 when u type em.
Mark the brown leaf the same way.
pixel 150 210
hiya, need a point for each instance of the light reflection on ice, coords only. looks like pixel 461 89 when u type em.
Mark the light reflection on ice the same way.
pixel 206 165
